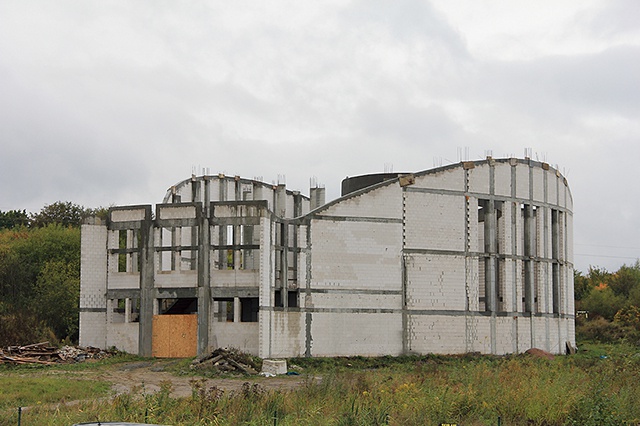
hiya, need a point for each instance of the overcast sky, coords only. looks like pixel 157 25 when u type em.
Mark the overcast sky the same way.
pixel 112 102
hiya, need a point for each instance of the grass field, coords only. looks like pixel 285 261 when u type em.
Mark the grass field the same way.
pixel 598 386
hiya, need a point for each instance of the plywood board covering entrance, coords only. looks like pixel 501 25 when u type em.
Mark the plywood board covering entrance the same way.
pixel 174 336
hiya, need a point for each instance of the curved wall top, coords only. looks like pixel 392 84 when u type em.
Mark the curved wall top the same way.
pixel 220 188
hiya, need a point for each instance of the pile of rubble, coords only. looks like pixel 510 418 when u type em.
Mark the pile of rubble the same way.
pixel 225 361
pixel 43 353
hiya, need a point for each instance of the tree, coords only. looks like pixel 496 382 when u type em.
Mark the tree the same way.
pixel 64 213
pixel 625 279
pixel 56 297
pixel 13 219
pixel 39 272
pixel 581 285
pixel 603 302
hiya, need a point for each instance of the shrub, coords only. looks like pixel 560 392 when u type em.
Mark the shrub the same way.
pixel 602 330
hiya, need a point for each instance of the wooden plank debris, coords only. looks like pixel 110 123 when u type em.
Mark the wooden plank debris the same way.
pixel 45 354
pixel 226 360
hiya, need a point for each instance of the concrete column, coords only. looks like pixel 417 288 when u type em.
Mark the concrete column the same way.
pixel 281 201
pixel 529 239
pixel 297 204
pixel 204 278
pixel 317 196
pixel 284 263
pixel 127 310
pixel 490 236
pixel 237 314
pixel 147 274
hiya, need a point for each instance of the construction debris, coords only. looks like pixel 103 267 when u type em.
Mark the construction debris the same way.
pixel 226 361
pixel 273 367
pixel 539 353
pixel 43 353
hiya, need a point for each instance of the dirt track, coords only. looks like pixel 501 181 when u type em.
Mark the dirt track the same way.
pixel 148 376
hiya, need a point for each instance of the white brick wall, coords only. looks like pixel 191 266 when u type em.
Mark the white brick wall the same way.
pixel 177 212
pixel 367 334
pixel 479 179
pixel 93 285
pixel 288 334
pixel 359 255
pixel 384 202
pixel 356 300
pixel 127 215
pixel 538 184
pixel 440 334
pixel 449 179
pixel 435 282
pixel 435 221
pixel 238 335
pixel 503 179
pixel 123 336
pixel 522 181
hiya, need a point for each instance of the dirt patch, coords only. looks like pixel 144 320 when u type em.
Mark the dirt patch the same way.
pixel 148 377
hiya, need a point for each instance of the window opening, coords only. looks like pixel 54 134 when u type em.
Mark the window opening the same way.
pixel 292 299
pixel 249 307
pixel 223 309
pixel 182 306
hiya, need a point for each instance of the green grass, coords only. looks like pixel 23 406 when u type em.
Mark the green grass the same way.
pixel 17 390
pixel 598 386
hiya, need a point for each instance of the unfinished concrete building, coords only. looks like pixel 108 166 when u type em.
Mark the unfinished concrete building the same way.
pixel 470 257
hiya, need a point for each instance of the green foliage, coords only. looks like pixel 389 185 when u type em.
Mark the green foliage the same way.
pixel 625 279
pixel 603 331
pixel 629 316
pixel 611 301
pixel 40 272
pixel 13 219
pixel 56 297
pixel 602 302
pixel 63 213
pixel 39 283
pixel 581 285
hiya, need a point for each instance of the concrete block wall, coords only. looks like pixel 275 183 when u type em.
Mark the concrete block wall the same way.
pixel 451 178
pixel 176 279
pixel 288 334
pixel 505 336
pixel 435 282
pixel 238 335
pixel 342 301
pixel 479 181
pixel 522 181
pixel 356 333
pixel 441 334
pixel 123 336
pixel 503 186
pixel 434 221
pixel 524 341
pixel 530 186
pixel 93 285
pixel 356 255
pixel 384 203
